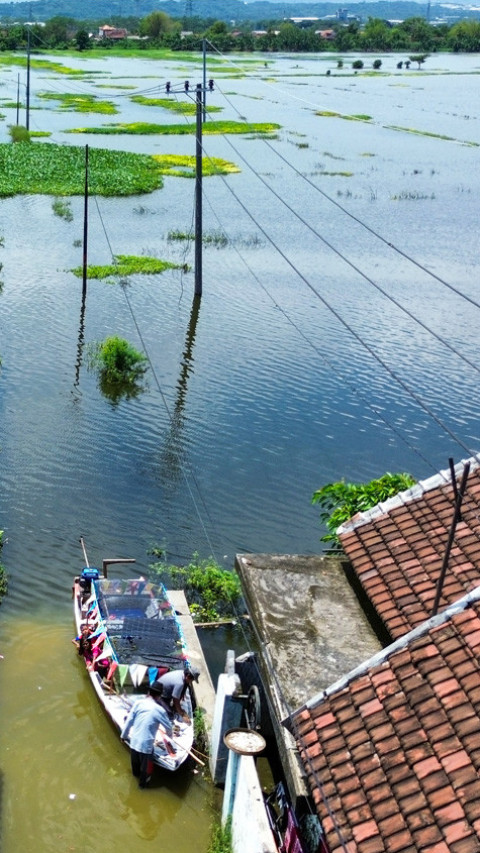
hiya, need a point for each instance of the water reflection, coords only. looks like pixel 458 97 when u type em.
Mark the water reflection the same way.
pixel 66 775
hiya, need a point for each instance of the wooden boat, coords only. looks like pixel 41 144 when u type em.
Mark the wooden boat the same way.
pixel 136 638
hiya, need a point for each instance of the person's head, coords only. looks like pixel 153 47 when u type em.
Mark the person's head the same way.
pixel 192 674
pixel 156 690
pixel 85 629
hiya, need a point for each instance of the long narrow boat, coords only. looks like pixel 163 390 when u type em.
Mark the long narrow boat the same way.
pixel 136 637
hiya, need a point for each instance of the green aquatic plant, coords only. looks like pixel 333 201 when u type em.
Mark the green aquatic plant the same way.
pixel 80 103
pixel 125 265
pixel 212 127
pixel 51 169
pixel 183 107
pixel 119 366
pixel 215 238
pixel 63 209
pixel 184 165
pixel 19 133
pixel 221 840
pixel 212 593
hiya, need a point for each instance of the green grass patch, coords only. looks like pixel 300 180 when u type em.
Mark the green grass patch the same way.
pixel 50 169
pixel 213 127
pixel 183 107
pixel 184 166
pixel 42 64
pixel 128 265
pixel 80 103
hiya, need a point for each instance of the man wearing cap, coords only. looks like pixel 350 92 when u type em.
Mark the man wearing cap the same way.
pixel 175 685
pixel 144 719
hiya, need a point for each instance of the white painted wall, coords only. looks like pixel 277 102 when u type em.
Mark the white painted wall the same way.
pixel 243 801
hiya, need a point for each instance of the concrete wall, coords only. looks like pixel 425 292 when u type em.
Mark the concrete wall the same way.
pixel 243 802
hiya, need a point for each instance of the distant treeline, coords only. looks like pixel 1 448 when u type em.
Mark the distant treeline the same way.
pixel 158 30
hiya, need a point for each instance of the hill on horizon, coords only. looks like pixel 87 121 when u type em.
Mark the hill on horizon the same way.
pixel 227 10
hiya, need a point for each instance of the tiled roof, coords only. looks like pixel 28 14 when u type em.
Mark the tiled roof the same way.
pixel 392 749
pixel 397 549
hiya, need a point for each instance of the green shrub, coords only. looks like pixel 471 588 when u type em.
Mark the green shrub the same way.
pixel 18 133
pixel 212 593
pixel 340 501
pixel 117 360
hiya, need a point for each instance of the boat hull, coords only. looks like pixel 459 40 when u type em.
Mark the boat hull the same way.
pixel 117 699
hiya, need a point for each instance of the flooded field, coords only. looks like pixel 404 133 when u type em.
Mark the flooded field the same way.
pixel 336 337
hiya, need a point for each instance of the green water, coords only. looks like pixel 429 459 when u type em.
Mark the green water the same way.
pixel 65 776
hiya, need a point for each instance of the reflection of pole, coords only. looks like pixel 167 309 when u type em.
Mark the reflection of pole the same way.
pixel 187 360
pixel 81 340
pixel 198 197
pixel 18 98
pixel 204 79
pixel 27 123
pixel 85 226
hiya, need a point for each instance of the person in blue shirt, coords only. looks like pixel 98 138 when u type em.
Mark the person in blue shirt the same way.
pixel 140 728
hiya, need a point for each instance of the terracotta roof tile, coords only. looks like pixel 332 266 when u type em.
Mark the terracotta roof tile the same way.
pixel 399 737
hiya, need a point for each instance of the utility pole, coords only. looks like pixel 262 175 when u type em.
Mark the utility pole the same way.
pixel 200 107
pixel 27 123
pixel 198 193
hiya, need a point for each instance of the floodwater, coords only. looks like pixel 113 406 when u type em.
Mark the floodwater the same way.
pixel 336 337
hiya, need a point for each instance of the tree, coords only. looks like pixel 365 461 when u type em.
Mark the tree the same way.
pixel 419 32
pixel 465 37
pixel 82 40
pixel 357 64
pixel 156 25
pixel 377 64
pixel 340 501
pixel 376 35
pixel 419 57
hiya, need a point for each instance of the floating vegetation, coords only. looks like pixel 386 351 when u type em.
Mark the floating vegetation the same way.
pixel 119 366
pixel 212 127
pixel 63 209
pixel 433 135
pixel 333 174
pixel 128 265
pixel 215 238
pixel 80 103
pixel 184 166
pixel 183 107
pixel 332 156
pixel 328 114
pixel 408 195
pixel 59 170
pixel 45 64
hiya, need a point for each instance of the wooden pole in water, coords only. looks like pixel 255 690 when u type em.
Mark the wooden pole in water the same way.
pixel 198 196
pixel 85 227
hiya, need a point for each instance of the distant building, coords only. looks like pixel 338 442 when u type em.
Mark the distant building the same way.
pixel 328 35
pixel 108 32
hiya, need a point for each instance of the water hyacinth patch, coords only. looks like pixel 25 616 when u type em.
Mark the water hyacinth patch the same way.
pixel 144 128
pixel 50 169
pixel 80 103
pixel 184 166
pixel 183 107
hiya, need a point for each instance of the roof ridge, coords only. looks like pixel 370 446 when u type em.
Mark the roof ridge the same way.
pixel 380 657
pixel 413 493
